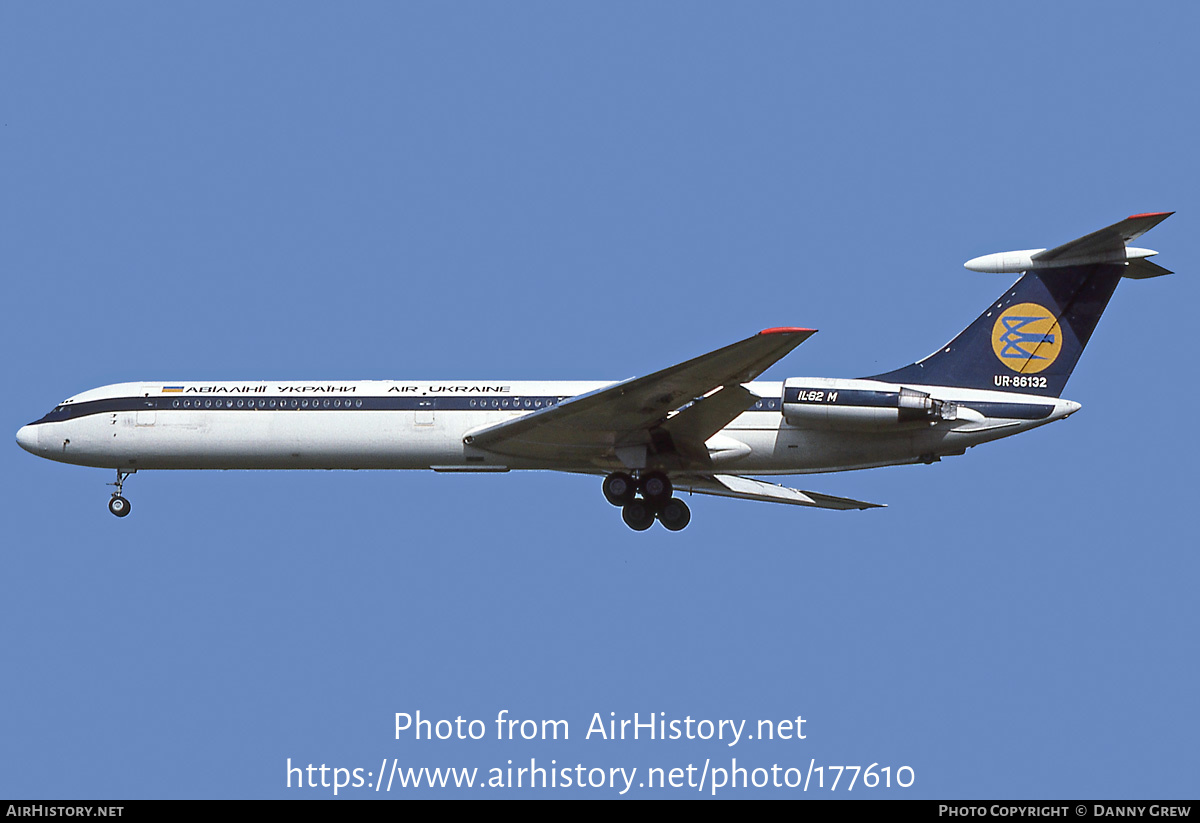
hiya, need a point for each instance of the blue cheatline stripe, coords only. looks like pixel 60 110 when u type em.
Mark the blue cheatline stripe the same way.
pixel 300 403
pixel 852 397
pixel 1012 411
pixel 292 402
pixel 297 402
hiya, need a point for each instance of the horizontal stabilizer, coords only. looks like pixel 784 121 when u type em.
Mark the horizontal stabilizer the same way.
pixel 1141 269
pixel 1114 238
pixel 1108 245
pixel 745 488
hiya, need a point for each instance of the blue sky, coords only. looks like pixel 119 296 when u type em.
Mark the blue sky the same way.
pixel 591 191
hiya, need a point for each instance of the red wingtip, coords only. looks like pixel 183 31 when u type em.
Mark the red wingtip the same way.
pixel 787 330
pixel 1150 214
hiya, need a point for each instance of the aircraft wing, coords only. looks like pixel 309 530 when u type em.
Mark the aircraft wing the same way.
pixel 1111 239
pixel 702 395
pixel 745 488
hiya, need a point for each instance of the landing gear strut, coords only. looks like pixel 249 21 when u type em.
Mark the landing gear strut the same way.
pixel 656 501
pixel 117 504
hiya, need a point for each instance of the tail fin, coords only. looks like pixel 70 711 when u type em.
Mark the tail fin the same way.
pixel 1030 339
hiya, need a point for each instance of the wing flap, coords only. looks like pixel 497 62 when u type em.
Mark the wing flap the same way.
pixel 702 419
pixel 746 488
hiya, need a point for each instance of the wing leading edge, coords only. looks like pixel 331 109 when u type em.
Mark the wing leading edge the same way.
pixel 685 404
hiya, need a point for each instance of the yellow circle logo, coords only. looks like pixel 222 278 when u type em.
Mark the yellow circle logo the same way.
pixel 1027 338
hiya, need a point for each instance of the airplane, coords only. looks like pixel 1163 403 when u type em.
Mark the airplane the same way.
pixel 702 426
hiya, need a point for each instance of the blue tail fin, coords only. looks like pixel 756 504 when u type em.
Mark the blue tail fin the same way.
pixel 1029 340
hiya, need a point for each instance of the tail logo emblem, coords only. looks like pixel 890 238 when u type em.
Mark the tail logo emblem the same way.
pixel 1027 338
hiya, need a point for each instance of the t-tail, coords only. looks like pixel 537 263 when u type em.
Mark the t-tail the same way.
pixel 1030 339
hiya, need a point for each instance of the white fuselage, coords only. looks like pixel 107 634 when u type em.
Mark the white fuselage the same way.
pixel 831 425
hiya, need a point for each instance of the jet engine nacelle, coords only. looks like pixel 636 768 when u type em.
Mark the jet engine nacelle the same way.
pixel 809 404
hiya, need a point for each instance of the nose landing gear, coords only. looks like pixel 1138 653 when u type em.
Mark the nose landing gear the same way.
pixel 656 501
pixel 117 504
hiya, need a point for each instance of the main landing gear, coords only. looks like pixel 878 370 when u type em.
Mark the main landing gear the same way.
pixel 118 505
pixel 656 501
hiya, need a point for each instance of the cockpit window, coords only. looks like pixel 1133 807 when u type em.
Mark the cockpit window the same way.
pixel 60 412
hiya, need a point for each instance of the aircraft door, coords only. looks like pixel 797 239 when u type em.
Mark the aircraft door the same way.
pixel 423 416
pixel 145 414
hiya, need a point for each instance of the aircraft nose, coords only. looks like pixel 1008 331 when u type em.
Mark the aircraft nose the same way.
pixel 27 438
